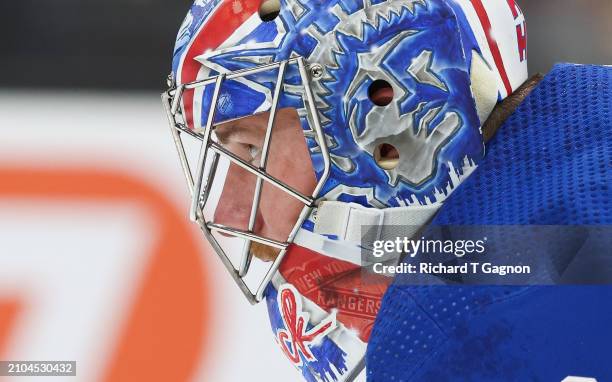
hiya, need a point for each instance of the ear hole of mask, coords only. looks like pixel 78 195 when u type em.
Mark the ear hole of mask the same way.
pixel 269 10
pixel 386 156
pixel 380 93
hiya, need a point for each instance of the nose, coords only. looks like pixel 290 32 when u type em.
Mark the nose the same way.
pixel 234 206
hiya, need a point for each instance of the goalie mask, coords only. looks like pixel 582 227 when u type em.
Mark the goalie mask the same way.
pixel 311 119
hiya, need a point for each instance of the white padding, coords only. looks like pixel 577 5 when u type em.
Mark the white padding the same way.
pixel 483 80
pixel 579 379
pixel 345 220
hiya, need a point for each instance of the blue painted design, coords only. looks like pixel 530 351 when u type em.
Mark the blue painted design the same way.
pixel 437 25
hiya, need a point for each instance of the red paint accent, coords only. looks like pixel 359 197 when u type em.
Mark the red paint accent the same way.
pixel 218 28
pixel 521 29
pixel 515 9
pixel 521 36
pixel 296 332
pixel 336 284
pixel 486 25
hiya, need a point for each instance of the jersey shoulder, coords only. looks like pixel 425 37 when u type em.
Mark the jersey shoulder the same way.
pixel 550 162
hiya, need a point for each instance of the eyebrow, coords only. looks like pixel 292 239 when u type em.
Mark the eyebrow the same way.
pixel 227 129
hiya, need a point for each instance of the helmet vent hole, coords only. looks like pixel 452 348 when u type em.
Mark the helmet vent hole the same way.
pixel 380 93
pixel 386 156
pixel 269 10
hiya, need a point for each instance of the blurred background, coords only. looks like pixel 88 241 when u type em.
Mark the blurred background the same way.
pixel 126 44
pixel 97 261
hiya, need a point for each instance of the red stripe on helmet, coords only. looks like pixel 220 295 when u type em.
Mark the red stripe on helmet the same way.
pixel 229 15
pixel 486 25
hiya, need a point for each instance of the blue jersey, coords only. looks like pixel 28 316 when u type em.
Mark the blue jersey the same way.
pixel 548 165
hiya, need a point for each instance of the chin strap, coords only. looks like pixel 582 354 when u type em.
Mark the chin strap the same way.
pixel 351 221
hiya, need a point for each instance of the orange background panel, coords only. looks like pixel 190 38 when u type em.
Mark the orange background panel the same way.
pixel 9 312
pixel 163 337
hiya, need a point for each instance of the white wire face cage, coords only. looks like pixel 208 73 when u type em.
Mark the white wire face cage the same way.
pixel 210 152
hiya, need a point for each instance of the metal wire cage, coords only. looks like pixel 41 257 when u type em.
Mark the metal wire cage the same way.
pixel 200 182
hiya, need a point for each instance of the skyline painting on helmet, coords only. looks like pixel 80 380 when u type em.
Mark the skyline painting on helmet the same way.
pixel 422 48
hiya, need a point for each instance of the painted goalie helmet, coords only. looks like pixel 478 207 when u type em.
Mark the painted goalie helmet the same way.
pixel 312 119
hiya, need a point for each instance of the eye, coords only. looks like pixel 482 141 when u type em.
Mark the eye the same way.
pixel 254 151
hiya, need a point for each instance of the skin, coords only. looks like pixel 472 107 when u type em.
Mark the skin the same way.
pixel 288 161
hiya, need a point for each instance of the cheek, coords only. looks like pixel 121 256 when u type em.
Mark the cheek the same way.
pixel 234 207
pixel 289 162
pixel 279 212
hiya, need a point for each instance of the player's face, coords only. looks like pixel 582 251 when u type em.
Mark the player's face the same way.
pixel 288 160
